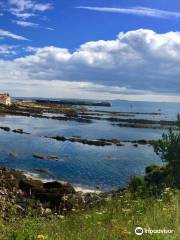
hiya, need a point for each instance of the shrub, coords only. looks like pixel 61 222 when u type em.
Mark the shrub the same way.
pixel 168 148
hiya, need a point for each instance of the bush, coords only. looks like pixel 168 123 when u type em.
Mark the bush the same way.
pixel 159 177
pixel 168 148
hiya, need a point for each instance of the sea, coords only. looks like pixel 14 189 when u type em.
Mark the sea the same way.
pixel 102 168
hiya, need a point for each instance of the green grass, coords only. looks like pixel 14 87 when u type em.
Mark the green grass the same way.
pixel 117 219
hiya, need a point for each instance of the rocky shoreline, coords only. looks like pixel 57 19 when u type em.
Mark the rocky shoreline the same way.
pixel 60 112
pixel 21 193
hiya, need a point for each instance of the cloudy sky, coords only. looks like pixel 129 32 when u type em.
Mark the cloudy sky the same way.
pixel 101 49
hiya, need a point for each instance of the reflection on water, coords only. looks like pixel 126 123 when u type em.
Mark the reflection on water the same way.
pixel 106 167
pixel 97 129
pixel 103 167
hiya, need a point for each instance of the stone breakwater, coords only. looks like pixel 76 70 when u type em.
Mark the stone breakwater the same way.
pixel 19 193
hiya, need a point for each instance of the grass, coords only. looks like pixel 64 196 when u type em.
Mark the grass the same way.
pixel 117 219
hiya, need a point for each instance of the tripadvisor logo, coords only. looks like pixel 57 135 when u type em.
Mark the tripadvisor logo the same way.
pixel 140 231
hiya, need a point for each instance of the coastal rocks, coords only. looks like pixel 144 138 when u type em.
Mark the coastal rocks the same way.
pixel 104 142
pixel 17 189
pixel 135 145
pixel 42 157
pixel 20 131
pixel 50 193
pixel 60 138
pixel 60 186
pixel 7 129
pixel 70 111
pixel 101 142
pixel 29 186
pixel 94 142
pixel 143 123
pixel 19 193
pixel 39 156
pixel 37 111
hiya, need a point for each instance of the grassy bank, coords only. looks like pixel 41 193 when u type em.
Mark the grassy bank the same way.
pixel 117 219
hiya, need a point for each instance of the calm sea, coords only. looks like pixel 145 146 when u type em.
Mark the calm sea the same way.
pixel 106 168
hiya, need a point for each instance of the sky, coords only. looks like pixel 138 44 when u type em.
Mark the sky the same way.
pixel 100 49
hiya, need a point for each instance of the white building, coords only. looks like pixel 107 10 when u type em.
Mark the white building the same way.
pixel 5 99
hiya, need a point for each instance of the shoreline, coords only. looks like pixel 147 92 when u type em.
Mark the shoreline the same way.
pixel 56 197
pixel 78 187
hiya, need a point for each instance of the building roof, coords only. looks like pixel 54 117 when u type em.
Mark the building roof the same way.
pixel 3 97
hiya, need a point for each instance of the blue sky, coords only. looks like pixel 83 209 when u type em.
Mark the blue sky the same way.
pixel 107 49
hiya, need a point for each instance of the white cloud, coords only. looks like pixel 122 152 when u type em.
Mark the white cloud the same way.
pixel 24 9
pixel 137 64
pixel 26 24
pixel 23 5
pixel 139 11
pixel 23 15
pixel 7 34
pixel 50 29
pixel 42 7
pixel 6 50
pixel 80 90
pixel 31 24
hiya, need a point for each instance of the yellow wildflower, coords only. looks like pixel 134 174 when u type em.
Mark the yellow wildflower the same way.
pixel 125 232
pixel 99 223
pixel 41 237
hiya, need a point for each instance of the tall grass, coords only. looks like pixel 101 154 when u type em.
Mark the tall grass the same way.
pixel 117 219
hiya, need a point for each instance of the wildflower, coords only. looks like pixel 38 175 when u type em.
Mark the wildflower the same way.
pixel 41 237
pixel 126 210
pixel 65 198
pixel 99 213
pixel 125 232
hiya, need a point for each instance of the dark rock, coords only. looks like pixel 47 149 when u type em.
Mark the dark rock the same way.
pixel 39 156
pixel 59 138
pixel 135 145
pixel 53 157
pixel 60 186
pixel 142 141
pixel 7 129
pixel 119 144
pixel 30 186
pixel 20 131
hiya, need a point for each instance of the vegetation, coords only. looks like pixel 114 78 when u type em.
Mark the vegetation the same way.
pixel 169 150
pixel 115 220
pixel 168 175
